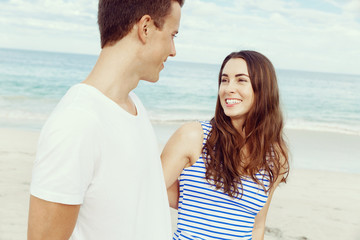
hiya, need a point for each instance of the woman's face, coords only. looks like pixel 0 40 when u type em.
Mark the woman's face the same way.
pixel 235 92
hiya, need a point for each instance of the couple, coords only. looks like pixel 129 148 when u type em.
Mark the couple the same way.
pixel 98 174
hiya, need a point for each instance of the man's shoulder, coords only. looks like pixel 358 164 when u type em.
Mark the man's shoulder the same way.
pixel 80 100
pixel 75 110
pixel 80 96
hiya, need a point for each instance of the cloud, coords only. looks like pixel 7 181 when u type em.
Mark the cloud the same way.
pixel 51 25
pixel 49 12
pixel 293 36
pixel 318 37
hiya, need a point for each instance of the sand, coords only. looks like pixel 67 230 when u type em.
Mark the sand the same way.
pixel 314 204
pixel 17 153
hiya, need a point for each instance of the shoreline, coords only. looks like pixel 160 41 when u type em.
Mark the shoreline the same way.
pixel 314 204
pixel 309 149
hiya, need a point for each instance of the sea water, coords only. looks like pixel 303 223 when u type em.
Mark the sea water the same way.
pixel 32 82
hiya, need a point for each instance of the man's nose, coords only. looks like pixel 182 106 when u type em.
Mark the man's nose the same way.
pixel 173 50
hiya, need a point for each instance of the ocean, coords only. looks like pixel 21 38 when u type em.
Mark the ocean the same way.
pixel 32 82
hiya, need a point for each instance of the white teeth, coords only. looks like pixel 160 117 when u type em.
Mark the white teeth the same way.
pixel 232 101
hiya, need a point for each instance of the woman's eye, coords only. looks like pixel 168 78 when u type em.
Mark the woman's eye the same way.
pixel 223 80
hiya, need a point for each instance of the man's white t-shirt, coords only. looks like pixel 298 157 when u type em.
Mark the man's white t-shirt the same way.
pixel 94 153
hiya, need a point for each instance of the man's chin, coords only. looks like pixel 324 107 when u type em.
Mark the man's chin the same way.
pixel 152 79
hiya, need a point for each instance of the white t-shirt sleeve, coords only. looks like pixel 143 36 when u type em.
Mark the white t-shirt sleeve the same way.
pixel 67 153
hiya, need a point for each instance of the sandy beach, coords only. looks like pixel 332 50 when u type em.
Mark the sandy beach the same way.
pixel 314 204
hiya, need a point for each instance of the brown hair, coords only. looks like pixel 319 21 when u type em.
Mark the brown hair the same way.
pixel 117 17
pixel 265 147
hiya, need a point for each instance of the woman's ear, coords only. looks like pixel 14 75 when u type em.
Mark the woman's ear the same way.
pixel 144 27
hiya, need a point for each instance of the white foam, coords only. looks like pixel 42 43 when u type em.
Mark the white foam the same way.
pixel 354 129
pixel 22 115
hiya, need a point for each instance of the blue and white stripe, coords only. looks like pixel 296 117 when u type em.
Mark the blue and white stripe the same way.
pixel 207 213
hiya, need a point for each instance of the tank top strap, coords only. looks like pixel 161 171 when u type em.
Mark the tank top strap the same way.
pixel 206 126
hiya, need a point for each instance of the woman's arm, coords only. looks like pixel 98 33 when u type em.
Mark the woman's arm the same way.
pixel 181 151
pixel 173 195
pixel 260 219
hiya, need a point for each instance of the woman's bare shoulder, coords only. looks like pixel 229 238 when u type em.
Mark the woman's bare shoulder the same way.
pixel 191 129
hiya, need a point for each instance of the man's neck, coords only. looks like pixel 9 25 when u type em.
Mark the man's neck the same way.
pixel 115 72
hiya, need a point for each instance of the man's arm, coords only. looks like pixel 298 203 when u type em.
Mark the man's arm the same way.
pixel 49 220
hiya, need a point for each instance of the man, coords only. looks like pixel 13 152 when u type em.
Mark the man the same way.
pixel 97 173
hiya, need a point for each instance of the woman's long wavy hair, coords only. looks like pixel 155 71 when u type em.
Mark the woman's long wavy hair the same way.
pixel 229 156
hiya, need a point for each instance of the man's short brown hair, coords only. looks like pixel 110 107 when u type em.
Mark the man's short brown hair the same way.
pixel 117 17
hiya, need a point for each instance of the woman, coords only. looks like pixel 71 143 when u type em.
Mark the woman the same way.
pixel 229 167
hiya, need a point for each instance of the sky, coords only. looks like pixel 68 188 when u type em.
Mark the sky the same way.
pixel 310 35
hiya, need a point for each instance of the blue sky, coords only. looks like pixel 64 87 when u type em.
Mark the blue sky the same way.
pixel 312 35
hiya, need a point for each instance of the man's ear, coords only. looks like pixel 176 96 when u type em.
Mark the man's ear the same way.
pixel 144 27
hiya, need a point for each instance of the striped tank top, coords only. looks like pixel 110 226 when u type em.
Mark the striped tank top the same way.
pixel 207 213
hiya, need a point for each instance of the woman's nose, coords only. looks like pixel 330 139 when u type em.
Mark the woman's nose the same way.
pixel 230 88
